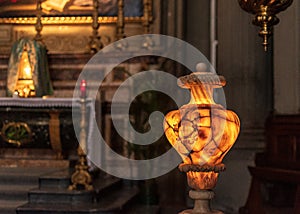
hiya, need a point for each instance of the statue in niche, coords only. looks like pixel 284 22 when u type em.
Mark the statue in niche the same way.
pixel 35 54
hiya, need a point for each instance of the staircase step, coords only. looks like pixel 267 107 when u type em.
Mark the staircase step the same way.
pixel 118 199
pixel 12 162
pixel 9 206
pixel 113 203
pixel 106 184
pixel 15 183
pixel 54 189
pixel 15 192
pixel 42 154
pixel 59 179
pixel 23 176
pixel 54 195
pixel 46 189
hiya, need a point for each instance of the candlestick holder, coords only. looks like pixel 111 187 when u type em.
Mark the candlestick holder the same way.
pixel 81 177
pixel 38 24
pixel 148 42
pixel 95 43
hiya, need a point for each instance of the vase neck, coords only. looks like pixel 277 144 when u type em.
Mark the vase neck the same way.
pixel 201 94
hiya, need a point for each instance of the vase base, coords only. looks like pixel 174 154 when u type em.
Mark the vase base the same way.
pixel 199 212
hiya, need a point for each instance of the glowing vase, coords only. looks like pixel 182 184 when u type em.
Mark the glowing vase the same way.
pixel 202 132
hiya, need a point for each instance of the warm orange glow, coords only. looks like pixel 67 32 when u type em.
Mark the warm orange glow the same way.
pixel 24 69
pixel 202 180
pixel 25 86
pixel 202 132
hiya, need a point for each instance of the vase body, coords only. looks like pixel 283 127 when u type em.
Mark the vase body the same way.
pixel 202 131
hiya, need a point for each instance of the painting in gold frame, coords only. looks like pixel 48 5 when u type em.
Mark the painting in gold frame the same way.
pixel 68 11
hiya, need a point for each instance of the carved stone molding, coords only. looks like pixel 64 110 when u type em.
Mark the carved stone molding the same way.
pixel 66 44
pixel 5 33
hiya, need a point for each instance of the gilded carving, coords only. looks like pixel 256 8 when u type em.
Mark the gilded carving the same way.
pixel 16 133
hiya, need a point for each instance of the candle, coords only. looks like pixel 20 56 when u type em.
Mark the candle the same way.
pixel 83 88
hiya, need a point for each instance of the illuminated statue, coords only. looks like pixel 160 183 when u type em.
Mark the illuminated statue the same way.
pixel 28 71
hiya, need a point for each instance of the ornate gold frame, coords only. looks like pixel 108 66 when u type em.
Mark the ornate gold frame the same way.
pixel 147 17
pixel 67 20
pixel 16 125
pixel 95 43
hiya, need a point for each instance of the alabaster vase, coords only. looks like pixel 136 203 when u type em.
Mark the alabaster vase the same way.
pixel 202 132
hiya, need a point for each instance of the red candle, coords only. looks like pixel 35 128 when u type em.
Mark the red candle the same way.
pixel 83 88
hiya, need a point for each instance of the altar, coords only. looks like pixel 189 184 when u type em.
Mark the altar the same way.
pixel 37 123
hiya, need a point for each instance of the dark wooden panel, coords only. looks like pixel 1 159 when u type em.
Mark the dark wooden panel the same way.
pixel 283 141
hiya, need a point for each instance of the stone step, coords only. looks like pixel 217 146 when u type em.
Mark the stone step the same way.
pixel 14 176
pixel 15 183
pixel 113 203
pixel 9 206
pixel 23 176
pixel 55 196
pixel 16 163
pixel 59 179
pixel 15 192
pixel 62 179
pixel 50 194
pixel 106 184
pixel 54 189
pixel 19 153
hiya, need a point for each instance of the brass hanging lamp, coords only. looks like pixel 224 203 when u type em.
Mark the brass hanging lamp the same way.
pixel 265 15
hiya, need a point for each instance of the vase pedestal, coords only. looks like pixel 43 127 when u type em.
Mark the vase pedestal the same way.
pixel 202 203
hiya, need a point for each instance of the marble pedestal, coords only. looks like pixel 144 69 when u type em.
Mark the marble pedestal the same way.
pixel 202 203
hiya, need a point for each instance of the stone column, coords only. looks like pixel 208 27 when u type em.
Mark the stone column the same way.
pixel 286 61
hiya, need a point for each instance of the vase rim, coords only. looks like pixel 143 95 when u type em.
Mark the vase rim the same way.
pixel 201 78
